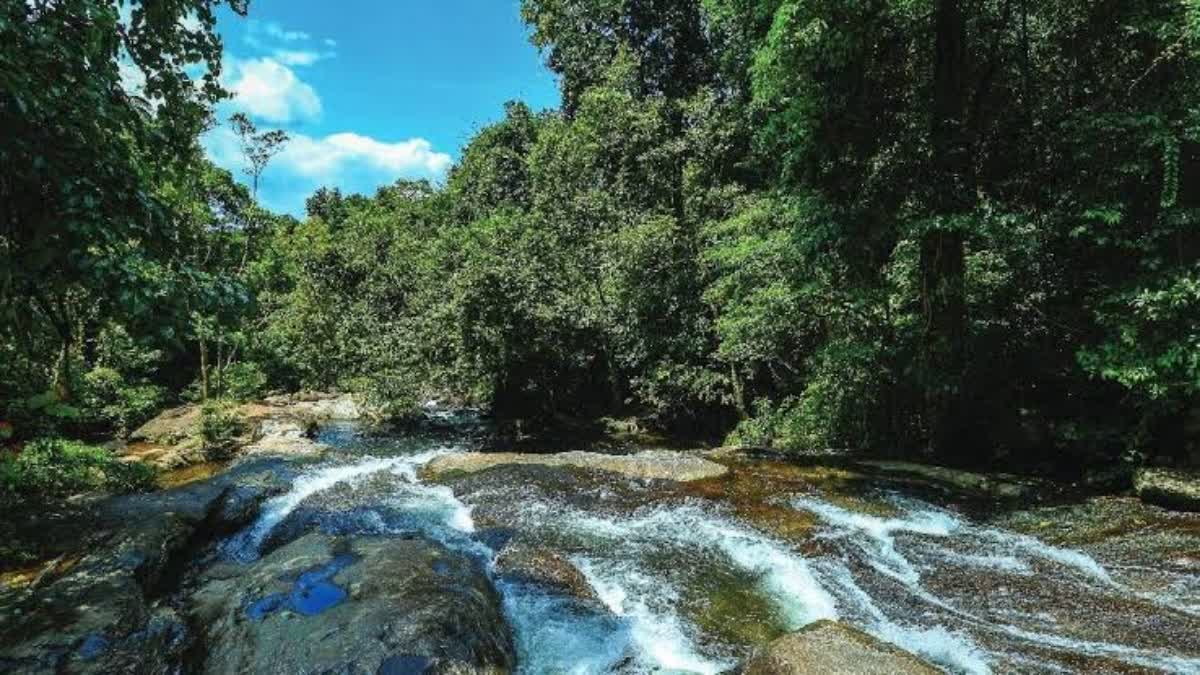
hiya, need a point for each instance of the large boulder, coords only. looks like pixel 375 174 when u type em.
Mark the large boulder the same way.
pixel 832 647
pixel 325 604
pixel 318 406
pixel 278 426
pixel 646 465
pixel 1179 490
pixel 99 610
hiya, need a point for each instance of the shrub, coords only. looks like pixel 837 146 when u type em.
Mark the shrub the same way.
pixel 836 409
pixel 56 468
pixel 109 397
pixel 243 381
pixel 219 426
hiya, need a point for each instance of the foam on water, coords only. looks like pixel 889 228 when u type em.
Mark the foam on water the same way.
pixel 923 539
pixel 951 649
pixel 246 544
pixel 879 542
pixel 556 635
pixel 1140 657
pixel 784 576
pixel 642 566
pixel 661 640
pixel 1039 549
pixel 1001 547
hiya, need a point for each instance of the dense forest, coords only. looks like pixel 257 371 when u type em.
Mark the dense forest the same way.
pixel 967 230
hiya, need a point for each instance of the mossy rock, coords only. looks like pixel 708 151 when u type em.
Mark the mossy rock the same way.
pixel 833 647
pixel 727 605
pixel 1178 490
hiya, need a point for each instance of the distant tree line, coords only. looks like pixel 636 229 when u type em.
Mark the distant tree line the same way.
pixel 967 230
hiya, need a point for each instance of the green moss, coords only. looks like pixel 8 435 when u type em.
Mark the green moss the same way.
pixel 733 611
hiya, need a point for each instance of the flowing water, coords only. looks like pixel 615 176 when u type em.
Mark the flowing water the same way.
pixel 684 582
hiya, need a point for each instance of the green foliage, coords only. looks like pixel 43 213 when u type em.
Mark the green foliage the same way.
pixel 54 468
pixel 111 398
pixel 1153 346
pixel 908 225
pixel 219 425
pixel 242 381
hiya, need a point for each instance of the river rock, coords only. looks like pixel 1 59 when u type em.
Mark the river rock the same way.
pixel 832 647
pixel 97 610
pixel 544 566
pixel 1179 490
pixel 999 486
pixel 319 406
pixel 170 426
pixel 324 604
pixel 646 465
pixel 278 426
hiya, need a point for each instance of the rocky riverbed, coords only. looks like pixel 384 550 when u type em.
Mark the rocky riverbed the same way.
pixel 362 550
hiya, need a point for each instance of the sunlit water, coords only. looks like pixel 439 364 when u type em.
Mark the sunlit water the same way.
pixel 967 597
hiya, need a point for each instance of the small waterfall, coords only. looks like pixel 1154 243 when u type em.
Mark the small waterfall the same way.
pixel 917 576
pixel 925 541
pixel 246 545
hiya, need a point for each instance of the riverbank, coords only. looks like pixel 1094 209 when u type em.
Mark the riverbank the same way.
pixel 626 557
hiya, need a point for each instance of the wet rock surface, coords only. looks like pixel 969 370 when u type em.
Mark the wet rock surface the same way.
pixel 831 647
pixel 1006 487
pixel 529 562
pixel 1169 488
pixel 329 604
pixel 645 465
pixel 384 554
pixel 101 612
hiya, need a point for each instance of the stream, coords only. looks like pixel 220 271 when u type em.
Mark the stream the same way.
pixel 690 578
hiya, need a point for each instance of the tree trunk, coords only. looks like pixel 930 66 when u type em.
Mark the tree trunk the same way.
pixel 62 371
pixel 943 305
pixel 944 338
pixel 220 368
pixel 203 370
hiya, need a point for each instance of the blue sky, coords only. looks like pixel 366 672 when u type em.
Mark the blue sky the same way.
pixel 370 90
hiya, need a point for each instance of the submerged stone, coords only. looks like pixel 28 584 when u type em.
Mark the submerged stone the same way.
pixel 404 665
pixel 314 599
pixel 93 645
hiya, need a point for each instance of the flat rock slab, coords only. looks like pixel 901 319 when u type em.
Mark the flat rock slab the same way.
pixel 277 426
pixel 832 647
pixel 999 486
pixel 647 465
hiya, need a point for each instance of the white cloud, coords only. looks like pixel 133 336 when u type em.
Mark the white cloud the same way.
pixel 352 162
pixel 326 158
pixel 133 79
pixel 276 31
pixel 299 57
pixel 288 47
pixel 269 90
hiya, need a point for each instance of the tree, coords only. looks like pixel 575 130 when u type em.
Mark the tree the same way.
pixel 81 225
pixel 258 148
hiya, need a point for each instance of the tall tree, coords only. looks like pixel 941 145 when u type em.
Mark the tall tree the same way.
pixel 258 148
pixel 79 219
